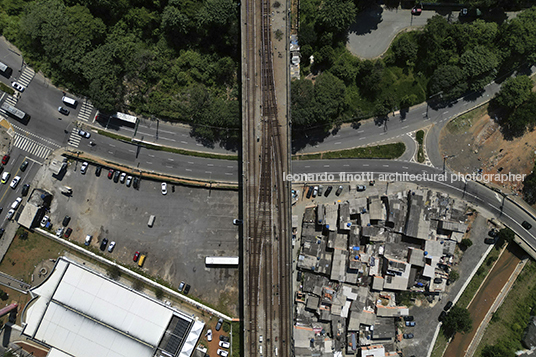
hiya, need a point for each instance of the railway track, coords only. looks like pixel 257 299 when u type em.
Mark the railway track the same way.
pixel 267 293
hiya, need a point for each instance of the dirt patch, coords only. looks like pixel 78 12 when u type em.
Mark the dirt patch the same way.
pixel 476 142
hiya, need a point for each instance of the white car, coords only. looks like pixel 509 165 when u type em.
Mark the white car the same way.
pixel 15 182
pixel 209 335
pixel 122 177
pixel 16 204
pixel 18 87
pixel 83 169
pixel 164 188
pixel 44 221
pixel 88 239
pixel 10 213
pixel 222 353
pixel 224 344
pixel 5 176
pixel 84 134
pixel 111 246
pixel 59 232
pixel 129 181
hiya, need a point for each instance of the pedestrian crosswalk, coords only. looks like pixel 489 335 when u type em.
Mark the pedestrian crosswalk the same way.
pixel 26 76
pixel 74 138
pixel 10 99
pixel 85 111
pixel 31 146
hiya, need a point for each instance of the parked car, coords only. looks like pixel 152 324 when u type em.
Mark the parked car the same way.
pixel 83 169
pixel 181 286
pixel 224 344
pixel 103 244
pixel 493 233
pixel 5 159
pixel 526 225
pixel 18 86
pixel 339 191
pixel 410 323
pixel 237 222
pixel 186 289
pixel 15 182
pixel 111 246
pixel 224 338
pixel 320 190
pixel 136 183
pixel 63 110
pixel 129 181
pixel 222 353
pixel 10 213
pixel 25 189
pixel 2 230
pixel 98 170
pixel 44 221
pixel 136 256
pixel 416 11
pixel 164 188
pixel 442 315
pixel 123 177
pixel 59 232
pixel 408 318
pixel 66 221
pixel 5 176
pixel 408 336
pixel 448 306
pixel 17 202
pixel 309 192
pixel 361 187
pixel 219 324
pixel 208 335
pixel 328 191
pixel 315 191
pixel 116 176
pixel 489 240
pixel 68 232
pixel 24 165
pixel 84 134
pixel 88 239
pixel 110 173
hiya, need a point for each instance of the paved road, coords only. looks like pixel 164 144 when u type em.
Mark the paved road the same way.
pixel 374 29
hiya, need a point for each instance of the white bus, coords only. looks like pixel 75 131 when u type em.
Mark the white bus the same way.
pixel 69 101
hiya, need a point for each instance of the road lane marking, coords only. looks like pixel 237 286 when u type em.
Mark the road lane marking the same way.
pixel 184 142
pixel 338 143
pixel 188 170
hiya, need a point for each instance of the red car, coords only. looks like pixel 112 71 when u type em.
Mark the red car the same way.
pixel 110 173
pixel 136 256
pixel 416 11
pixel 5 159
pixel 68 232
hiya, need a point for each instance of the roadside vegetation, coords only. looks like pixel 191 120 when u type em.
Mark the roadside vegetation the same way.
pixel 442 62
pixel 387 151
pixel 419 136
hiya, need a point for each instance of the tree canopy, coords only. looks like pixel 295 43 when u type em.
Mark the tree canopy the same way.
pixel 457 320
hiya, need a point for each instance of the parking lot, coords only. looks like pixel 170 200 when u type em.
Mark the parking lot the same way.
pixel 190 224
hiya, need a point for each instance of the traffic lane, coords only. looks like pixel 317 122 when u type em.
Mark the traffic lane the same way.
pixel 470 191
pixel 11 56
pixel 161 161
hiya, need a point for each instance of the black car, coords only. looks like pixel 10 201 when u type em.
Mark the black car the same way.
pixel 489 240
pixel 24 165
pixel 186 289
pixel 66 221
pixel 339 191
pixel 98 170
pixel 218 325
pixel 408 318
pixel 25 189
pixel 493 233
pixel 2 230
pixel 103 244
pixel 526 225
pixel 408 336
pixel 116 176
pixel 309 192
pixel 328 191
pixel 63 111
pixel 136 183
pixel 448 306
pixel 442 315
pixel 224 338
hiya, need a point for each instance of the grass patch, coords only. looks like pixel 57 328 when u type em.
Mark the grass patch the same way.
pixel 419 136
pixel 236 338
pixel 465 122
pixel 24 254
pixel 388 151
pixel 440 345
pixel 170 149
pixel 477 279
pixel 5 88
pixel 508 323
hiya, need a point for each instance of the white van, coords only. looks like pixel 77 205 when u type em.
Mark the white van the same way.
pixel 151 220
pixel 69 101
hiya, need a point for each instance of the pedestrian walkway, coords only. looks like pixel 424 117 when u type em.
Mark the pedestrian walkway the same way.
pixel 31 146
pixel 26 76
pixel 85 111
pixel 74 138
pixel 14 283
pixel 12 100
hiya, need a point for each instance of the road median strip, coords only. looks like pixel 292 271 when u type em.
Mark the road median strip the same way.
pixel 387 151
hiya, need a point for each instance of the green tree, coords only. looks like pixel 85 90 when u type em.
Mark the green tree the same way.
pixel 370 78
pixel 507 235
pixel 302 102
pixel 497 351
pixel 518 37
pixel 454 275
pixel 514 91
pixel 479 66
pixel 457 320
pixel 405 50
pixel 523 117
pixel 466 243
pixel 336 15
pixel 529 187
pixel 329 97
pixel 174 22
pixel 449 80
